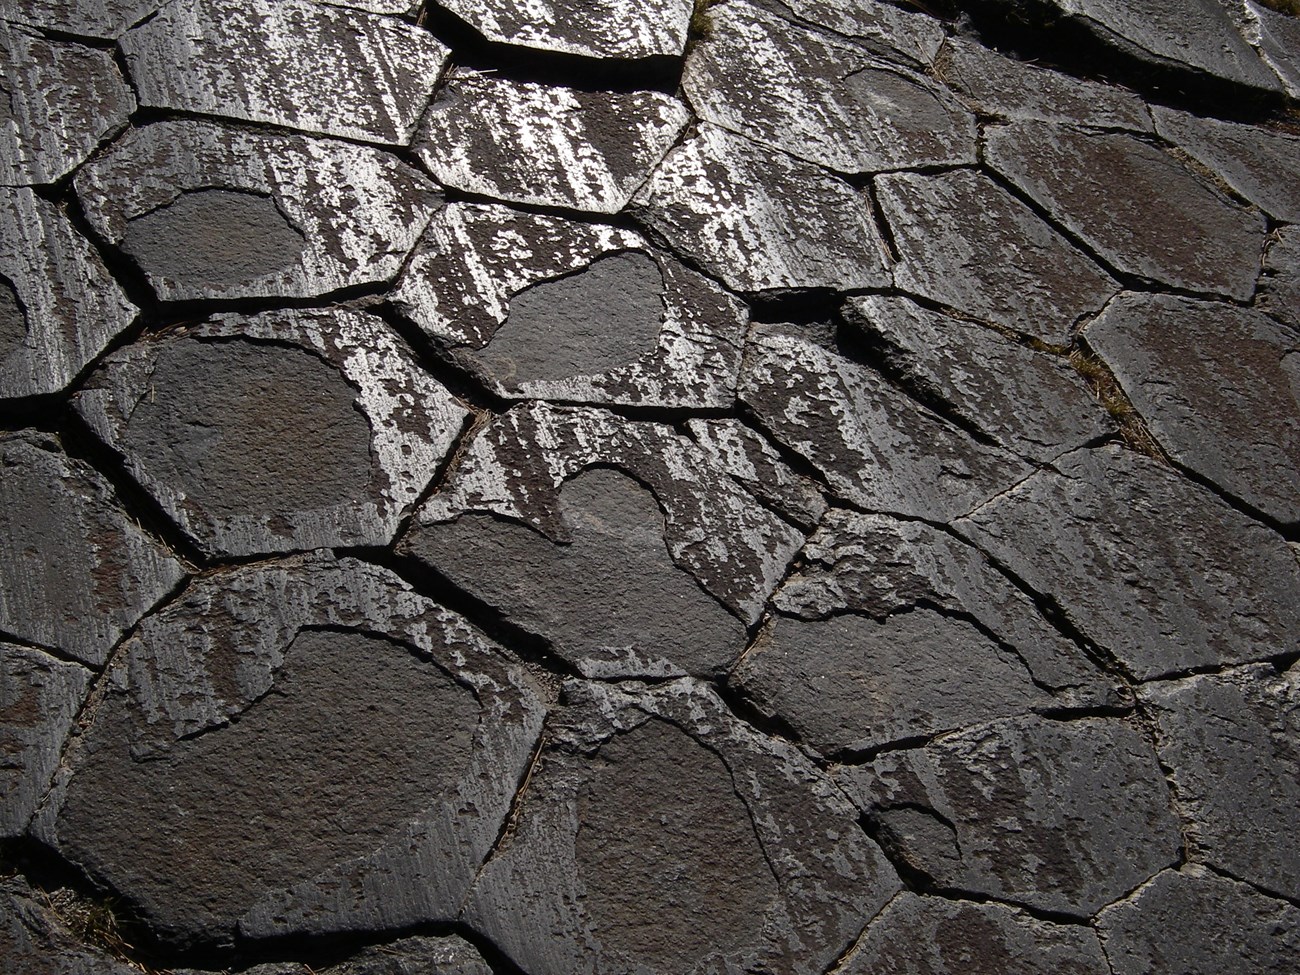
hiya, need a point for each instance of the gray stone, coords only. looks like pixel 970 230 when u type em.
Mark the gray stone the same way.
pixel 59 307
pixel 881 27
pixel 1276 37
pixel 297 747
pixel 412 956
pixel 1011 89
pixel 102 19
pixel 1156 570
pixel 58 101
pixel 34 940
pixel 603 29
pixel 213 212
pixel 540 307
pixel 1219 387
pixel 821 99
pixel 932 936
pixel 277 431
pixel 1279 285
pixel 658 833
pixel 875 446
pixel 40 696
pixel 965 242
pixel 294 63
pixel 1136 206
pixel 1029 402
pixel 551 146
pixel 1232 741
pixel 75 571
pixel 1059 816
pixel 760 220
pixel 1195 923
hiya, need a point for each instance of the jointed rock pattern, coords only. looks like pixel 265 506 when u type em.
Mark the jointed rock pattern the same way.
pixel 803 487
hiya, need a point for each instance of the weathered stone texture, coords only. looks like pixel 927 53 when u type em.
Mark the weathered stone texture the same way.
pixel 601 29
pixel 1279 284
pixel 881 27
pixel 104 19
pixel 35 941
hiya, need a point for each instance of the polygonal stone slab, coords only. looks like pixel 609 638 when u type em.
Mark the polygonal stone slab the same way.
pixel 615 862
pixel 40 696
pixel 75 571
pixel 1156 570
pixel 888 30
pixel 624 29
pixel 35 941
pixel 965 242
pixel 419 955
pixel 61 100
pixel 1060 816
pixel 761 220
pixel 876 446
pixel 820 99
pixel 1232 741
pixel 103 19
pixel 287 62
pixel 1194 922
pixel 1029 402
pixel 277 431
pixel 1136 206
pixel 210 212
pixel 540 307
pixel 59 306
pixel 546 145
pixel 296 747
pixel 1276 38
pixel 1279 285
pixel 936 936
pixel 1219 387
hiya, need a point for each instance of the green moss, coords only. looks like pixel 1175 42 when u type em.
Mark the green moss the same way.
pixel 701 22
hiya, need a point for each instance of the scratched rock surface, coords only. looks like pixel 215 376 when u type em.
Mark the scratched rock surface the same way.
pixel 617 843
pixel 540 307
pixel 276 431
pixel 225 784
pixel 75 570
pixel 419 955
pixel 1275 37
pixel 892 32
pixel 34 940
pixel 98 19
pixel 1279 283
pixel 605 29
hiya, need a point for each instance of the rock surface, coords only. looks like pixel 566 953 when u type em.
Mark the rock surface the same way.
pixel 605 29
pixel 99 19
pixel 34 940
pixel 1279 285
pixel 890 31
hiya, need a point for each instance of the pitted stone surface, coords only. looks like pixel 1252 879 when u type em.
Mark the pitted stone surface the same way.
pixel 226 781
pixel 419 955
pixel 294 63
pixel 104 19
pixel 546 145
pixel 965 242
pixel 1029 402
pixel 1060 816
pixel 1276 38
pixel 1155 569
pixel 1219 387
pixel 883 28
pixel 540 307
pixel 616 848
pixel 1136 206
pixel 59 307
pixel 35 941
pixel 603 29
pixel 75 571
pixel 822 100
pixel 1232 742
pixel 1279 284
pixel 210 211
pixel 278 431
pixel 761 220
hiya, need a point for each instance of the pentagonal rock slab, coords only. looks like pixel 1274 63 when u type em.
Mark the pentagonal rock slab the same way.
pixel 624 29
pixel 540 307
pixel 1029 402
pixel 75 570
pixel 1279 284
pixel 1232 741
pixel 965 242
pixel 59 306
pixel 277 431
pixel 614 863
pixel 883 28
pixel 1137 207
pixel 103 19
pixel 761 220
pixel 62 101
pixel 546 145
pixel 820 99
pixel 35 941
pixel 297 747
pixel 876 446
pixel 1060 816
pixel 1156 570
pixel 210 212
pixel 287 62
pixel 1219 387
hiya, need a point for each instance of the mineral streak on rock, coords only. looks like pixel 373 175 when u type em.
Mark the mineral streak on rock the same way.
pixel 297 747
pixel 213 212
pixel 615 864
pixel 546 145
pixel 623 29
pixel 75 571
pixel 294 63
pixel 277 431
pixel 1279 285
pixel 889 31
pixel 100 19
pixel 1276 38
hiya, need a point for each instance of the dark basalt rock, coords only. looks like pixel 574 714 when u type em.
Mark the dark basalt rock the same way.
pixel 35 941
pixel 1279 284
pixel 100 19
pixel 892 32
pixel 419 955
pixel 623 29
